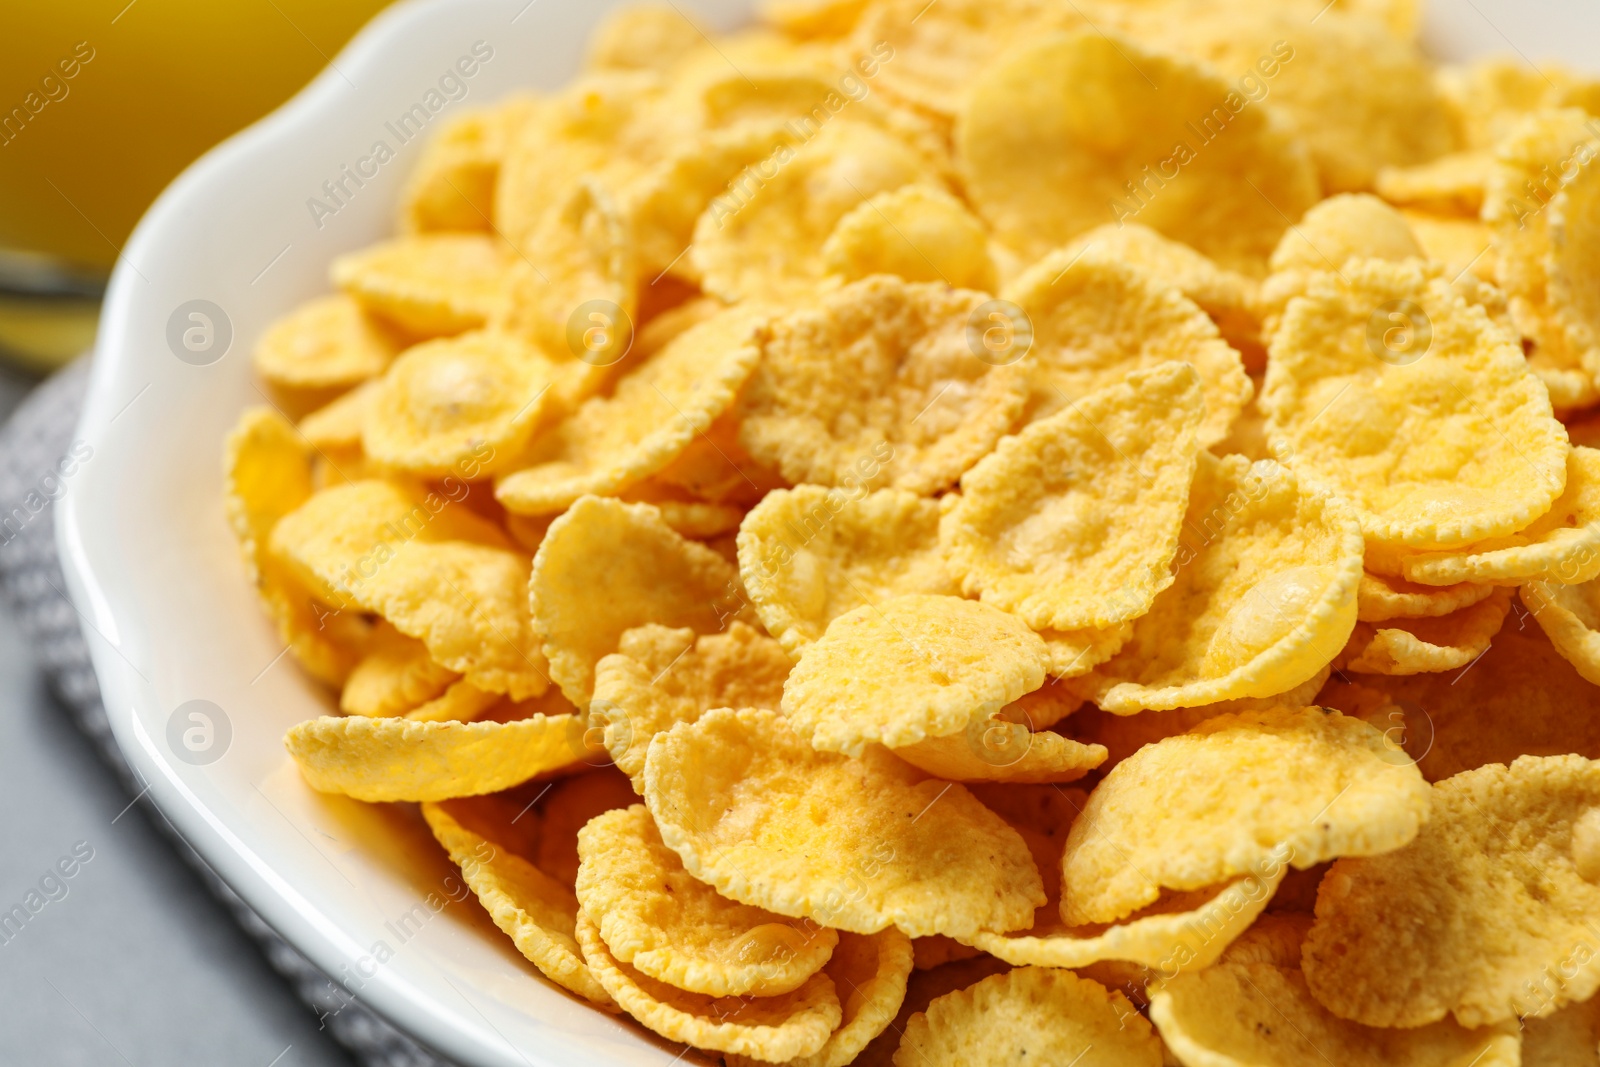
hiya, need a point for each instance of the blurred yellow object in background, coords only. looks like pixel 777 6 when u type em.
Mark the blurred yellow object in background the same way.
pixel 102 103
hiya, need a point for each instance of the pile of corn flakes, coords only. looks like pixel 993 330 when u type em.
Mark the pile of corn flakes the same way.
pixel 982 532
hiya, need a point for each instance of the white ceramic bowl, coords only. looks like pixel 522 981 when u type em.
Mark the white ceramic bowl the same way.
pixel 155 575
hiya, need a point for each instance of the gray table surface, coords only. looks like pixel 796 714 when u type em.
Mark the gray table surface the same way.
pixel 133 962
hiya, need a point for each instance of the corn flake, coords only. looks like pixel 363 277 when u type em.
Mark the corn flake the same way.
pixel 329 342
pixel 1415 646
pixel 1265 595
pixel 1042 168
pixel 455 404
pixel 1388 388
pixel 661 676
pixel 536 912
pixel 653 916
pixel 1032 1012
pixel 1248 1012
pixel 606 567
pixel 394 676
pixel 920 233
pixel 878 385
pixel 430 566
pixel 808 555
pixel 611 444
pixel 1493 879
pixel 1094 320
pixel 936 663
pixel 769 1028
pixel 857 845
pixel 432 285
pixel 1229 796
pixel 397 759
pixel 1041 527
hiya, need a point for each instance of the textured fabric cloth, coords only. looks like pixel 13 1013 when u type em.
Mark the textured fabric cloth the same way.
pixel 37 435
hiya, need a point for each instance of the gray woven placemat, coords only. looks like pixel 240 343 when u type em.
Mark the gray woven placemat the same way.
pixel 37 435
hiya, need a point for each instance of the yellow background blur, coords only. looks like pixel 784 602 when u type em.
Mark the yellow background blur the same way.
pixel 167 80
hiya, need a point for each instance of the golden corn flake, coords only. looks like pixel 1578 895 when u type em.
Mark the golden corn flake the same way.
pixel 1182 932
pixel 326 343
pixel 1227 296
pixel 336 426
pixel 1570 617
pixel 458 404
pixel 1541 155
pixel 813 18
pixel 1032 1013
pixel 919 232
pixel 661 676
pixel 397 759
pixel 612 443
pixel 1414 646
pixel 1042 168
pixel 572 292
pixel 1360 97
pixel 395 675
pixel 1520 698
pixel 1247 1012
pixel 643 36
pixel 461 702
pixel 933 663
pixel 1462 245
pixel 1496 880
pixel 1344 227
pixel 1077 652
pixel 763 237
pixel 268 476
pixel 1265 595
pixel 536 912
pixel 808 555
pixel 606 567
pixel 1200 808
pixel 1380 598
pixel 879 385
pixel 1092 321
pixel 1387 387
pixel 772 1029
pixel 430 566
pixel 652 915
pixel 857 845
pixel 870 971
pixel 666 201
pixel 453 184
pixel 930 56
pixel 432 285
pixel 1451 185
pixel 608 125
pixel 1042 525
